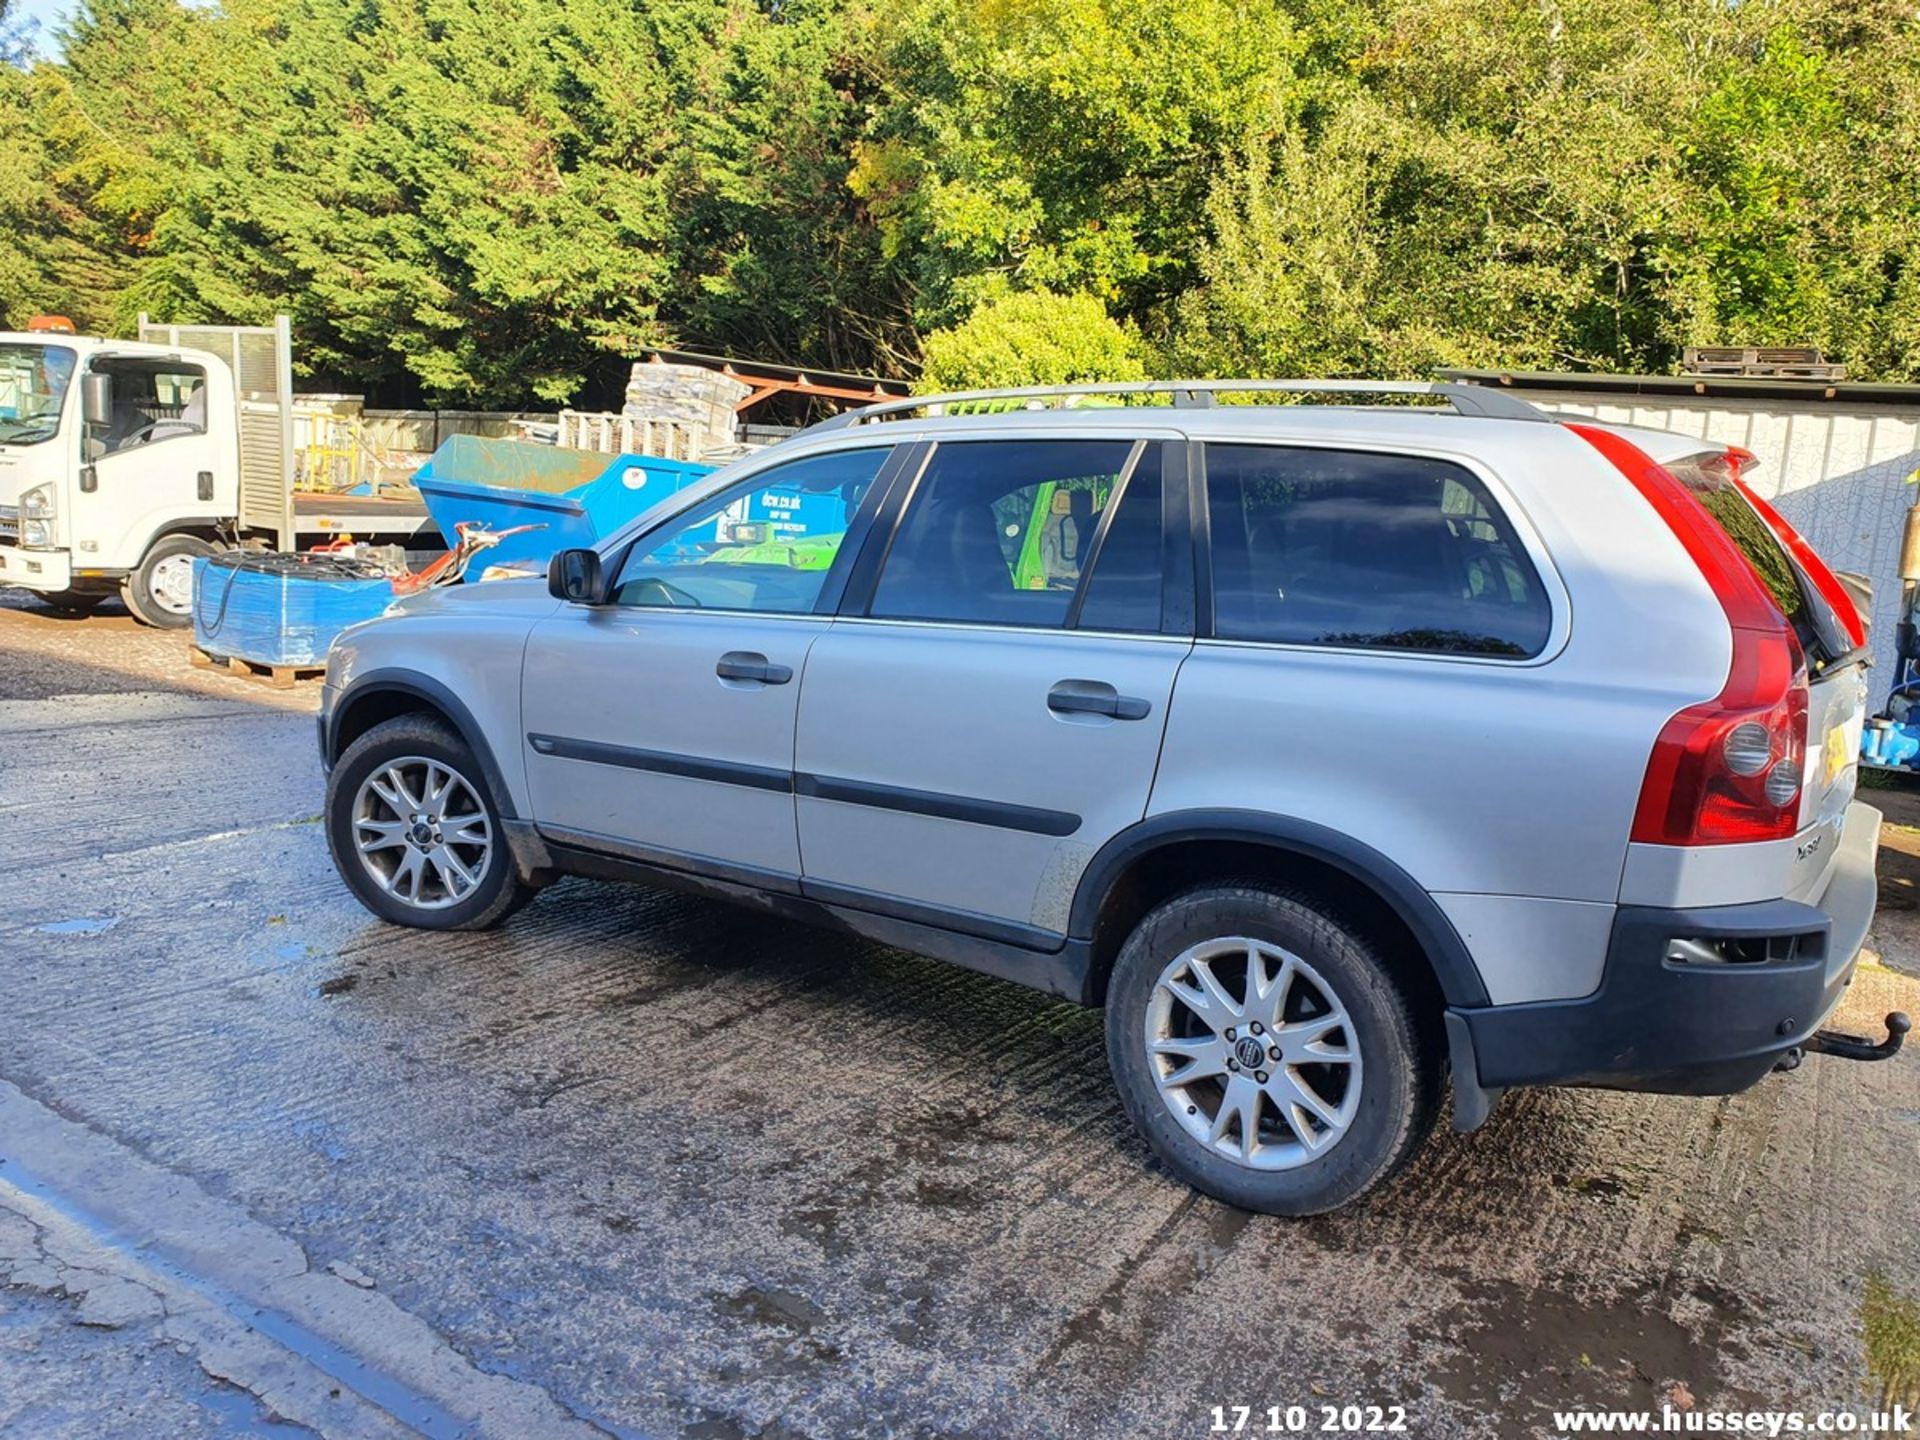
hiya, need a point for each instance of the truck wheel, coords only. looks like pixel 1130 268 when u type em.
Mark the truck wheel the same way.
pixel 1265 1051
pixel 160 592
pixel 414 832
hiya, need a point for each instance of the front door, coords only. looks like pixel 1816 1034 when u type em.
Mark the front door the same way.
pixel 994 715
pixel 153 465
pixel 660 726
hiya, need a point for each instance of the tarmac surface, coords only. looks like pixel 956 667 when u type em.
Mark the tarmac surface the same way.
pixel 642 1165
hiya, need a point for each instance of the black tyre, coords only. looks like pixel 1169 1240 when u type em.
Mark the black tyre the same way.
pixel 72 602
pixel 415 832
pixel 160 591
pixel 1266 1052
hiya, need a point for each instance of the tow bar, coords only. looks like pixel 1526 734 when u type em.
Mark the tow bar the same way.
pixel 1850 1047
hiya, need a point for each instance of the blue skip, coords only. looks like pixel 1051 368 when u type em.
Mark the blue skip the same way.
pixel 576 495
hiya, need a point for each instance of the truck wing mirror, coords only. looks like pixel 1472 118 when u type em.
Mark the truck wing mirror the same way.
pixel 96 399
pixel 576 577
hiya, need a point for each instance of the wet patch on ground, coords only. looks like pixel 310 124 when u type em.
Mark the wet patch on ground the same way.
pixel 1525 1351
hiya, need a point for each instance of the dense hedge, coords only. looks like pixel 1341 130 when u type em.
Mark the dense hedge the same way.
pixel 476 199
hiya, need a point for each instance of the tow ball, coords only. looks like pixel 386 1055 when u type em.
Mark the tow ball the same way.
pixel 1851 1047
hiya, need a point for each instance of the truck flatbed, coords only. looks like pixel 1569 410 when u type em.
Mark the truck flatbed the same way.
pixel 363 516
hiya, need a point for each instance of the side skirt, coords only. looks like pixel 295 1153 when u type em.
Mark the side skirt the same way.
pixel 1063 972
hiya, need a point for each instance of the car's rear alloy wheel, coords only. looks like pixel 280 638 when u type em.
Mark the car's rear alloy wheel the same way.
pixel 421 832
pixel 1273 1053
pixel 1253 1052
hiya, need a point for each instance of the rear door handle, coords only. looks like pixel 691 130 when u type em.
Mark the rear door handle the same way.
pixel 752 665
pixel 1095 697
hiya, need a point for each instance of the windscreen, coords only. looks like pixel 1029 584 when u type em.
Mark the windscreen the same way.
pixel 33 387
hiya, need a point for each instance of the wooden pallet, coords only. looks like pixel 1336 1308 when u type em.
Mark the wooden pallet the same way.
pixel 281 677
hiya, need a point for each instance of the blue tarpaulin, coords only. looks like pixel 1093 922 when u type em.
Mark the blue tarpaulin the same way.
pixel 277 609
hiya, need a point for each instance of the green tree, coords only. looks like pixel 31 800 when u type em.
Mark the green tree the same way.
pixel 1032 338
pixel 466 194
pixel 24 279
pixel 1574 185
pixel 779 258
pixel 1062 144
pixel 482 201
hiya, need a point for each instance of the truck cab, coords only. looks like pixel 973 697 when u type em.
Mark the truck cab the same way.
pixel 119 461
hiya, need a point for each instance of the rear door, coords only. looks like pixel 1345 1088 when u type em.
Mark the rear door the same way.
pixel 987 710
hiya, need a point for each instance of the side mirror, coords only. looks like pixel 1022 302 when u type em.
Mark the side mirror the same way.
pixel 576 577
pixel 96 399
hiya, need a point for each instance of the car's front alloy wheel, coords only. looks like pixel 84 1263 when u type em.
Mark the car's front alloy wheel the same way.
pixel 416 833
pixel 421 833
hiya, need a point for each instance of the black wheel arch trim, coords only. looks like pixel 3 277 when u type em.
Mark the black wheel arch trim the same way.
pixel 1452 964
pixel 436 695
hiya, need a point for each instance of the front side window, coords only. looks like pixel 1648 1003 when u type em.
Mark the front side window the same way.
pixel 1372 551
pixel 33 387
pixel 766 545
pixel 1000 532
pixel 153 401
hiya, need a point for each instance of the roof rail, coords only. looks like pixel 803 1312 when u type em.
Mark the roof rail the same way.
pixel 1468 399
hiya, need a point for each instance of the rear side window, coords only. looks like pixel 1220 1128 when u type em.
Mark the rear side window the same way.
pixel 1002 532
pixel 1363 550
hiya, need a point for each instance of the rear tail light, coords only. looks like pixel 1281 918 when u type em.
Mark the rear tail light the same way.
pixel 1729 770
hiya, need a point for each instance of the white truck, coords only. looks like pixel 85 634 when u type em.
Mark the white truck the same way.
pixel 122 460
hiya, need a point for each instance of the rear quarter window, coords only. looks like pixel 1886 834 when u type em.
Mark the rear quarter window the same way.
pixel 1362 550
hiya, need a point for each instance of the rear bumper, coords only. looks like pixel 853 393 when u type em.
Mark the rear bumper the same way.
pixel 1662 1024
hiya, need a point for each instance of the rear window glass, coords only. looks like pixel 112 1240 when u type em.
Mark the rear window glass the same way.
pixel 1707 477
pixel 1356 549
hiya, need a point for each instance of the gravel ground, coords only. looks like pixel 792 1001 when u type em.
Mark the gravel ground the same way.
pixel 641 1165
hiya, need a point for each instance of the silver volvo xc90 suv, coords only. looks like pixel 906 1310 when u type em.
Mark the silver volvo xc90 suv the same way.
pixel 1343 752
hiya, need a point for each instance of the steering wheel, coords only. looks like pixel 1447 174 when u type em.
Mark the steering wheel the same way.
pixel 674 594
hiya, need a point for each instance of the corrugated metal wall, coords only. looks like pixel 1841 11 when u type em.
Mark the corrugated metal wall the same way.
pixel 1838 475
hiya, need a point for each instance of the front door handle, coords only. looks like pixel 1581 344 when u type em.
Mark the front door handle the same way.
pixel 1096 697
pixel 752 665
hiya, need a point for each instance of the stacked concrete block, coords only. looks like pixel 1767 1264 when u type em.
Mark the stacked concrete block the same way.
pixel 689 395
